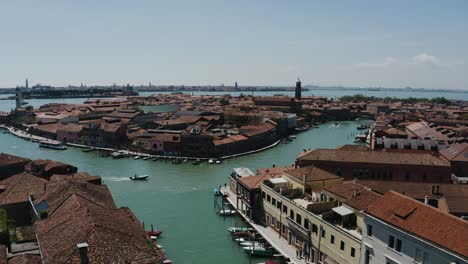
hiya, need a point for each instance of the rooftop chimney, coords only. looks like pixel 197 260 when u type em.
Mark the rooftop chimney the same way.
pixel 426 199
pixel 355 192
pixel 83 249
pixel 437 189
pixel 433 189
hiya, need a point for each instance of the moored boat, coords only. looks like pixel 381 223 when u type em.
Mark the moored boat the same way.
pixel 52 145
pixel 218 161
pixel 136 157
pixel 211 161
pixel 226 212
pixel 259 251
pixel 239 229
pixel 196 162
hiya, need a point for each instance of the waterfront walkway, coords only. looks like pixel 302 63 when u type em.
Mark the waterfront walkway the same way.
pixel 281 245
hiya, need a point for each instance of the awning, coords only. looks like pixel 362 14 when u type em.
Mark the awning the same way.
pixel 343 211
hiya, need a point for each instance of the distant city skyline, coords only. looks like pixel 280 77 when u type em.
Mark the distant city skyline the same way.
pixel 394 44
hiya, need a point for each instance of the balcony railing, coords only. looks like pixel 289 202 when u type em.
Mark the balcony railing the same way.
pixel 297 226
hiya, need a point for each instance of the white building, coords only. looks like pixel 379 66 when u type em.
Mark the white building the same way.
pixel 398 229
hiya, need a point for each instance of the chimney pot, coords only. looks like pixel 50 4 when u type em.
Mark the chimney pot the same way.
pixel 83 250
pixel 426 199
pixel 437 189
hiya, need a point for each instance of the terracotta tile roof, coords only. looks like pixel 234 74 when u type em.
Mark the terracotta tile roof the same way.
pixel 79 176
pixel 378 157
pixel 455 152
pixel 19 186
pixel 7 159
pixel 355 195
pixel 254 182
pixel 59 191
pixel 310 174
pixel 353 147
pixel 422 220
pixel 113 235
pixel 26 259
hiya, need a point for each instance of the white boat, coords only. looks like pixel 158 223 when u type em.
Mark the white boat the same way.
pixel 239 229
pixel 292 136
pixel 211 161
pixel 137 157
pixel 147 158
pixel 218 161
pixel 139 177
pixel 52 144
pixel 154 238
pixel 254 244
pixel 227 212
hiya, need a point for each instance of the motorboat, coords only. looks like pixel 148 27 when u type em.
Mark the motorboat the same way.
pixel 155 158
pixel 88 149
pixel 253 243
pixel 153 232
pixel 139 177
pixel 360 138
pixel 52 145
pixel 154 238
pixel 227 212
pixel 292 137
pixel 239 229
pixel 259 251
pixel 185 160
pixel 118 154
pixel 196 162
pixel 147 158
pixel 242 234
pixel 136 157
pixel 211 161
pixel 218 161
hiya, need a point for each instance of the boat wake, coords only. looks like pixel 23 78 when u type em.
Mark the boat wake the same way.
pixel 117 179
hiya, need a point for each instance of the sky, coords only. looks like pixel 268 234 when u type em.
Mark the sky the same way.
pixel 398 43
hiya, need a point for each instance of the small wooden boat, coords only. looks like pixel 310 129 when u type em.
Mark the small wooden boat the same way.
pixel 219 161
pixel 227 212
pixel 139 177
pixel 242 234
pixel 176 161
pixel 146 158
pixel 155 233
pixel 196 162
pixel 185 160
pixel 136 157
pixel 88 149
pixel 155 158
pixel 252 243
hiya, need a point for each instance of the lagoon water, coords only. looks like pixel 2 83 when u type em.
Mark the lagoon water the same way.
pixel 178 199
pixel 7 105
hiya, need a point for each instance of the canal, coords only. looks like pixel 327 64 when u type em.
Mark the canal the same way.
pixel 178 199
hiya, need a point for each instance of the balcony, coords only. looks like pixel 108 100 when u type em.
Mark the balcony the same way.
pixel 296 226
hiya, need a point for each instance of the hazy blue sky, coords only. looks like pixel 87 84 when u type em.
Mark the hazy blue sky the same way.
pixel 351 43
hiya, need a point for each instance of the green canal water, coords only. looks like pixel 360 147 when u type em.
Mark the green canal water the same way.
pixel 178 199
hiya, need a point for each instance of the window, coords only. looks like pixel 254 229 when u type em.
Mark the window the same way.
pixel 273 201
pixel 320 258
pixel 278 225
pixel 323 233
pixel 283 227
pixel 314 229
pixel 273 222
pixel 306 224
pixel 332 239
pixel 391 242
pixel 278 205
pixel 367 257
pixel 298 219
pixel 421 256
pixel 263 195
pixel 353 252
pixel 369 230
pixel 268 198
pixel 285 209
pixel 291 214
pixel 398 245
pixel 342 245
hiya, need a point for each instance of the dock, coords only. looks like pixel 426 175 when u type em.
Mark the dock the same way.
pixel 281 245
